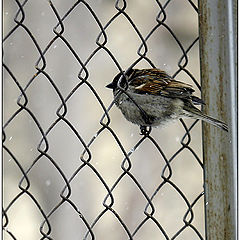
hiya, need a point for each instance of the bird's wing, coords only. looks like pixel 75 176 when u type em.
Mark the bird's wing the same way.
pixel 157 82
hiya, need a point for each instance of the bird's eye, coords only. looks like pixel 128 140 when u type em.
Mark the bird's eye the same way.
pixel 122 82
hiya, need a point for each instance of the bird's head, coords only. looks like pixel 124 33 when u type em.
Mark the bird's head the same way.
pixel 115 83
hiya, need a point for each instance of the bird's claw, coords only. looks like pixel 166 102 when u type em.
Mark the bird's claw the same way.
pixel 145 130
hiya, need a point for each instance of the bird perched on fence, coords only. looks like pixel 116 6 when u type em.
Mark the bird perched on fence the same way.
pixel 150 97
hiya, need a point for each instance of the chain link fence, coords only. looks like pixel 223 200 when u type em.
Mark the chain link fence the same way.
pixel 73 166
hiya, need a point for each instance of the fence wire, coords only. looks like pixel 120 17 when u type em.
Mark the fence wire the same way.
pixel 73 167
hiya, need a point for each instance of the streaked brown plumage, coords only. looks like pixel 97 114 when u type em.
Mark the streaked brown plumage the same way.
pixel 152 97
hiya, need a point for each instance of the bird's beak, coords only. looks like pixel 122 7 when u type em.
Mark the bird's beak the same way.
pixel 110 86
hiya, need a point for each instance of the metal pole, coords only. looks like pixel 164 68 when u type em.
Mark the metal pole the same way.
pixel 218 48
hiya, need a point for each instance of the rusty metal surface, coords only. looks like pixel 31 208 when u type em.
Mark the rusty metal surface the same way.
pixel 218 78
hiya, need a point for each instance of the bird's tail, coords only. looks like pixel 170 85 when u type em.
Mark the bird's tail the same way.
pixel 215 122
pixel 199 115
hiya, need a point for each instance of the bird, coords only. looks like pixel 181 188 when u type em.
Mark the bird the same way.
pixel 151 98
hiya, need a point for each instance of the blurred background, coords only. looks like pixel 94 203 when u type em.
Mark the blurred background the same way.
pixel 84 113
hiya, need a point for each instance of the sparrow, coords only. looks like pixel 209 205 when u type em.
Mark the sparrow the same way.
pixel 150 98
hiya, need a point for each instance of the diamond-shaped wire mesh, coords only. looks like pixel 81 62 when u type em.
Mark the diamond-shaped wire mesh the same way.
pixel 73 167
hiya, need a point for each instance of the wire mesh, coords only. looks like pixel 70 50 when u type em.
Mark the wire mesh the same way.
pixel 72 166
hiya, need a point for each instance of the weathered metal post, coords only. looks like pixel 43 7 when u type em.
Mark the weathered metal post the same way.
pixel 218 44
